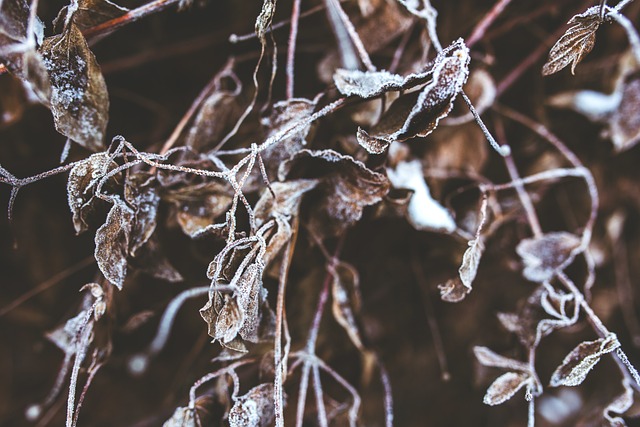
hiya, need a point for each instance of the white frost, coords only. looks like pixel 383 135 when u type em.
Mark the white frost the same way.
pixel 424 211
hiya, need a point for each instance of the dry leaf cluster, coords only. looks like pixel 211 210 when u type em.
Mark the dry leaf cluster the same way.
pixel 321 221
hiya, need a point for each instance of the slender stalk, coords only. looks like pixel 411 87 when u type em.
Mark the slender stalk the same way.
pixel 482 26
pixel 291 48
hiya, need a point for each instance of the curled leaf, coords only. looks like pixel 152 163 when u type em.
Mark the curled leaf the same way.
pixel 90 13
pixel 579 362
pixel 140 192
pixel 347 186
pixel 82 179
pixel 112 243
pixel 544 256
pixel 575 43
pixel 418 113
pixel 79 99
pixel 505 386
pixel 254 409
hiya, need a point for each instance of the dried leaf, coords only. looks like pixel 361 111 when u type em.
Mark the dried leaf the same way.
pixel 575 43
pixel 151 259
pixel 424 213
pixel 67 337
pixel 347 187
pixel 112 243
pixel 488 357
pixel 18 46
pixel 82 179
pixel 369 84
pixel 581 360
pixel 453 290
pixel 624 125
pixel 182 417
pixel 544 256
pixel 505 386
pixel 619 405
pixel 91 13
pixel 345 291
pixel 140 192
pixel 79 99
pixel 418 113
pixel 254 409
pixel 470 262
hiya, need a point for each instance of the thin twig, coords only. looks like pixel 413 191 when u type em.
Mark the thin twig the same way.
pixel 291 48
pixel 482 26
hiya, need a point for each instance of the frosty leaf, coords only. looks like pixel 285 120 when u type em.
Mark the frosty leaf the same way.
pixel 505 386
pixel 286 114
pixel 91 13
pixel 347 187
pixel 346 301
pixel 67 337
pixel 198 206
pixel 151 259
pixel 254 409
pixel 79 99
pixel 544 256
pixel 82 178
pixel 424 212
pixel 488 357
pixel 418 113
pixel 286 202
pixel 575 43
pixel 581 360
pixel 620 405
pixel 470 261
pixel 112 243
pixel 182 417
pixel 18 46
pixel 624 125
pixel 141 193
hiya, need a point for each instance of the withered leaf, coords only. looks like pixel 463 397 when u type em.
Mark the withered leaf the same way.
pixel 18 45
pixel 505 386
pixel 624 125
pixel 544 256
pixel 182 417
pixel 82 179
pixel 112 243
pixel 619 405
pixel 579 362
pixel 67 337
pixel 141 193
pixel 368 84
pixel 453 290
pixel 346 301
pixel 347 187
pixel 254 409
pixel 488 357
pixel 470 262
pixel 151 259
pixel 79 99
pixel 91 13
pixel 418 113
pixel 424 213
pixel 575 43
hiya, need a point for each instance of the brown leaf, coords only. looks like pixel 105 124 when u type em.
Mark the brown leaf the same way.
pixel 453 290
pixel 505 386
pixel 579 362
pixel 67 337
pixel 575 43
pixel 140 192
pixel 112 243
pixel 254 409
pixel 79 99
pixel 418 113
pixel 151 259
pixel 544 256
pixel 345 291
pixel 182 417
pixel 91 13
pixel 18 51
pixel 347 187
pixel 624 125
pixel 83 178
